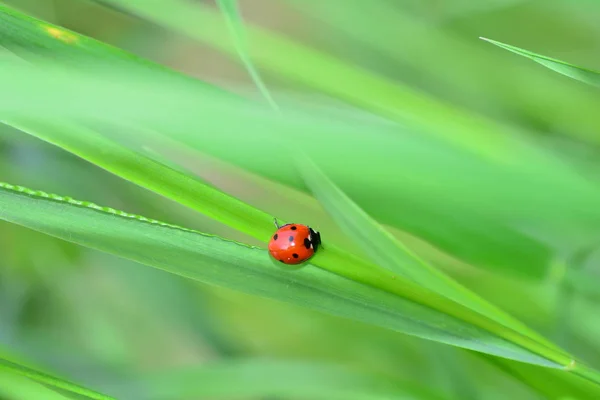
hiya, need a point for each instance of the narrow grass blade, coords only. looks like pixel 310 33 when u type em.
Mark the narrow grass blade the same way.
pixel 216 261
pixel 22 33
pixel 230 9
pixel 585 75
pixel 51 381
pixel 385 250
pixel 15 387
pixel 549 383
pixel 141 170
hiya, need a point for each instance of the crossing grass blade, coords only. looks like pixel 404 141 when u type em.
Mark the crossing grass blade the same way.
pixel 61 385
pixel 585 75
pixel 213 260
pixel 230 9
pixel 21 388
pixel 385 250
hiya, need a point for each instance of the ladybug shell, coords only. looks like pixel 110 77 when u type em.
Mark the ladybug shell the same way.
pixel 294 243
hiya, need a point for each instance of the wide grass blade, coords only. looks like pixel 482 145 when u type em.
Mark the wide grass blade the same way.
pixel 320 71
pixel 585 75
pixel 216 261
pixel 52 382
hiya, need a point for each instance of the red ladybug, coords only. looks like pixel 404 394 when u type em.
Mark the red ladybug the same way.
pixel 294 243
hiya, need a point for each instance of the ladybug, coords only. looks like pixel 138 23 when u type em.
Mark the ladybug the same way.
pixel 294 243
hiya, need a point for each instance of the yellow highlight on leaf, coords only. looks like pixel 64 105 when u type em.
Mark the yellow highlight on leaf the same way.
pixel 60 34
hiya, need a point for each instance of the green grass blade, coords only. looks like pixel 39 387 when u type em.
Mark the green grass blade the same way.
pixel 385 250
pixel 285 379
pixel 216 261
pixel 145 172
pixel 51 381
pixel 572 71
pixel 21 34
pixel 547 382
pixel 496 150
pixel 230 9
pixel 330 75
pixel 15 387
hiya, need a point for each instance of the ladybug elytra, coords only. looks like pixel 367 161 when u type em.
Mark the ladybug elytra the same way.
pixel 294 243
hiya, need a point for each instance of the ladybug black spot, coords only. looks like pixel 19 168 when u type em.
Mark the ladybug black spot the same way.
pixel 275 237
pixel 293 227
pixel 291 239
pixel 307 243
pixel 295 255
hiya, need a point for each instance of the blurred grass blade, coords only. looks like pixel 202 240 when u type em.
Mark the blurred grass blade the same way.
pixel 50 381
pixel 231 11
pixel 347 82
pixel 15 387
pixel 216 261
pixel 572 71
pixel 243 379
pixel 21 33
pixel 385 250
pixel 134 167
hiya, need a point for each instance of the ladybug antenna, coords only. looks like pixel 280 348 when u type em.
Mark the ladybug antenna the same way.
pixel 276 223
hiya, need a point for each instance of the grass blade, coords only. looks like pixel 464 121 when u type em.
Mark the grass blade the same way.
pixel 143 171
pixel 385 250
pixel 230 9
pixel 585 75
pixel 51 381
pixel 216 261
pixel 17 387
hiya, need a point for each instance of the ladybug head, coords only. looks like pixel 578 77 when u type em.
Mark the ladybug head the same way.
pixel 316 238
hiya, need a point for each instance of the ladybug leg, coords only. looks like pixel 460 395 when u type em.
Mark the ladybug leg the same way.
pixel 276 223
